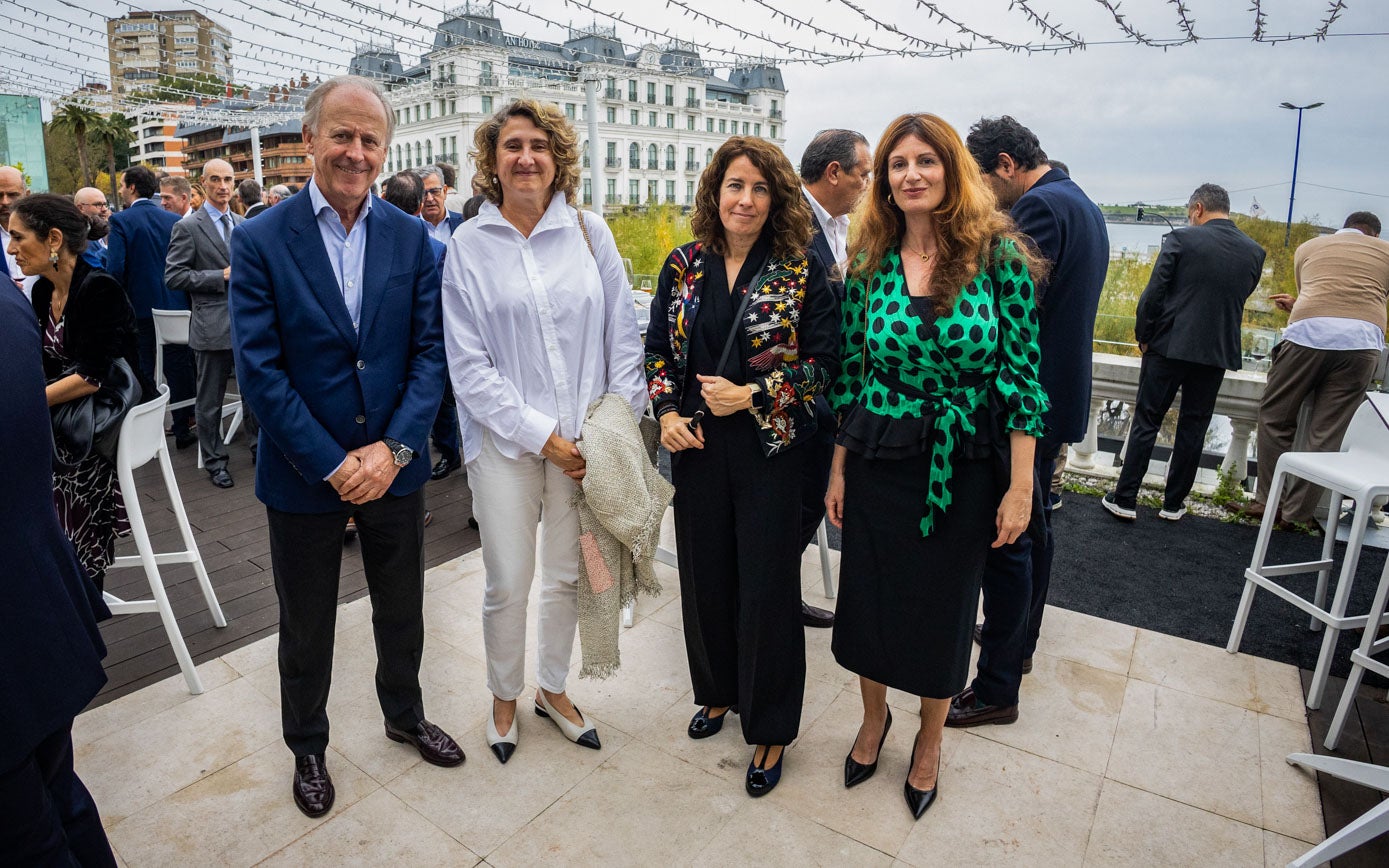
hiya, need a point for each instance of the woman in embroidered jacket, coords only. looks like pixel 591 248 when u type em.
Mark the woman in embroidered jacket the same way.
pixel 743 336
pixel 538 324
pixel 939 406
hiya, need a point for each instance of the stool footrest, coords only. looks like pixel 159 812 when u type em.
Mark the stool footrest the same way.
pixel 1293 569
pixel 1346 622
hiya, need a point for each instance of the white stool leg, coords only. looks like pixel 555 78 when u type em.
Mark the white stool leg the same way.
pixel 1328 547
pixel 1338 606
pixel 1256 562
pixel 161 599
pixel 822 541
pixel 190 545
pixel 1357 669
pixel 1366 827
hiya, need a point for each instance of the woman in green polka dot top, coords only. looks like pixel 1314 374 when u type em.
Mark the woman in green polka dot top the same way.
pixel 939 409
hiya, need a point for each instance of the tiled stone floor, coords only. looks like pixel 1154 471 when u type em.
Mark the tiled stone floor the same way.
pixel 1133 748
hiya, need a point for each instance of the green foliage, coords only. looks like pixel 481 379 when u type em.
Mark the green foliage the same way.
pixel 115 134
pixel 1131 210
pixel 647 235
pixel 1227 489
pixel 172 88
pixel 77 119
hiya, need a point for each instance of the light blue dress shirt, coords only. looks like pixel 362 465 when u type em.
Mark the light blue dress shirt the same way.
pixel 347 251
pixel 220 219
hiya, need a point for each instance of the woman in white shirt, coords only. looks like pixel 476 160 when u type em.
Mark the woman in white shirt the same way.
pixel 538 323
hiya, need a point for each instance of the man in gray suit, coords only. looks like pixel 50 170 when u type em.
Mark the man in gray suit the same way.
pixel 199 264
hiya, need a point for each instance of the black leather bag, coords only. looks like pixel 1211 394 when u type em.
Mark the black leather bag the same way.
pixel 92 423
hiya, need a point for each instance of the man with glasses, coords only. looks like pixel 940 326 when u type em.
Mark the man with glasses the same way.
pixel 92 202
pixel 441 221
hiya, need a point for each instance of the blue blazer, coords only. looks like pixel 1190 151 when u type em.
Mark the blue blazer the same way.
pixel 455 220
pixel 48 636
pixel 318 388
pixel 1069 231
pixel 135 253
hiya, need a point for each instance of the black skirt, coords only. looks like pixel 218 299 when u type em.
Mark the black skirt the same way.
pixel 907 603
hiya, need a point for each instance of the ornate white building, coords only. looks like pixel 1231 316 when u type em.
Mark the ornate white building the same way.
pixel 661 110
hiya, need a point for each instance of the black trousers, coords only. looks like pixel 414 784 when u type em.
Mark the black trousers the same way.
pixel 1158 382
pixel 815 478
pixel 49 818
pixel 444 431
pixel 306 554
pixel 737 529
pixel 1016 579
pixel 178 371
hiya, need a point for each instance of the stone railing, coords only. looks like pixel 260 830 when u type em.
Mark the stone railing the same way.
pixel 1116 379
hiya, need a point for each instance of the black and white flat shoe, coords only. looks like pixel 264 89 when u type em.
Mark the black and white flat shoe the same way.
pixel 584 735
pixel 503 746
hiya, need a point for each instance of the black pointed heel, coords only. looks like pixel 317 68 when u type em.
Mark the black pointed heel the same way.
pixel 856 773
pixel 919 800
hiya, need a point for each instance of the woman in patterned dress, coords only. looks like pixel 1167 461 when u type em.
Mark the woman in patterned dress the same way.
pixel 744 289
pixel 939 406
pixel 87 324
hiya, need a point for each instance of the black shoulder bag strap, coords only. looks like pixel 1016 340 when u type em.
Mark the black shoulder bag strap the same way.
pixel 732 335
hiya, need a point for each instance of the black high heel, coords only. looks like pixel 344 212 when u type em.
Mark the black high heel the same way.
pixel 703 726
pixel 762 781
pixel 856 772
pixel 919 800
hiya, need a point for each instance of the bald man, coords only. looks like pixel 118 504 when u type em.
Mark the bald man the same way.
pixel 199 264
pixel 92 202
pixel 12 189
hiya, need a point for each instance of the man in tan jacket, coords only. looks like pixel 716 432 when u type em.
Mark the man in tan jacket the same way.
pixel 1329 351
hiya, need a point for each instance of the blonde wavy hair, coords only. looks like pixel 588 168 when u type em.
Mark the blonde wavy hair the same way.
pixel 789 219
pixel 550 119
pixel 968 222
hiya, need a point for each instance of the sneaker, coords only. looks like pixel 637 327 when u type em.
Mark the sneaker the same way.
pixel 1127 513
pixel 1055 501
pixel 1172 514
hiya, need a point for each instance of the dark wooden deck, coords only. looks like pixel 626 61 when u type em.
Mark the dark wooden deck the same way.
pixel 229 526
pixel 1366 739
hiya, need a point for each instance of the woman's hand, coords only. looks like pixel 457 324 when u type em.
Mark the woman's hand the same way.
pixel 564 455
pixel 676 434
pixel 722 397
pixel 1014 514
pixel 834 495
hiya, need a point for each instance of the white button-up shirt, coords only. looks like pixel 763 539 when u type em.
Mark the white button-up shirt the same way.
pixel 537 328
pixel 836 229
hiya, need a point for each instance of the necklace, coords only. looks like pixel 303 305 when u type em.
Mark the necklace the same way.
pixel 925 257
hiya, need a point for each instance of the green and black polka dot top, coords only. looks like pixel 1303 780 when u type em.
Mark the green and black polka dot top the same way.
pixel 903 365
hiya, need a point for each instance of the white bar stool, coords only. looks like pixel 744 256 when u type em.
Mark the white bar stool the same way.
pixel 1367 826
pixel 142 439
pixel 1360 471
pixel 171 327
pixel 1362 658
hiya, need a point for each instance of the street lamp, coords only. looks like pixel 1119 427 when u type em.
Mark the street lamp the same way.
pixel 1288 234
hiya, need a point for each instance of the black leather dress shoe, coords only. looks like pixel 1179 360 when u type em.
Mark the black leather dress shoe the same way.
pixel 979 640
pixel 966 710
pixel 435 745
pixel 221 478
pixel 815 617
pixel 313 789
pixel 184 439
pixel 443 467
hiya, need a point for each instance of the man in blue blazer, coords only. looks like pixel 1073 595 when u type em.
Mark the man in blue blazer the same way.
pixel 137 247
pixel 441 222
pixel 337 332
pixel 1068 230
pixel 48 635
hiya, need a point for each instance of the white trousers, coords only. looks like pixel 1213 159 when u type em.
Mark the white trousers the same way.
pixel 511 497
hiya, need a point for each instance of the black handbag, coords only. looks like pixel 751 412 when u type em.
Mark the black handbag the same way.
pixel 92 423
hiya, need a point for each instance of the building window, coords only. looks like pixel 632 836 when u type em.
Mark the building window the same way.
pixel 634 156
pixel 670 191
pixel 689 122
pixel 487 105
pixel 569 110
pixel 634 192
pixel 652 188
pixel 670 94
pixel 453 147
pixel 612 115
pixel 708 156
pixel 651 92
pixel 429 152
pixel 670 158
pixel 419 157
pixel 691 101
pixel 757 129
pixel 588 192
pixel 636 117
pixel 651 119
pixel 631 90
pixel 709 125
pixel 670 120
pixel 723 125
pixel 453 106
pixel 689 192
pixel 652 157
pixel 612 191
pixel 773 130
pixel 612 154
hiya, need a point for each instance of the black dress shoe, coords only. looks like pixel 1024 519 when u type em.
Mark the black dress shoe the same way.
pixel 435 745
pixel 313 789
pixel 221 478
pixel 966 710
pixel 443 467
pixel 919 800
pixel 184 439
pixel 856 772
pixel 814 617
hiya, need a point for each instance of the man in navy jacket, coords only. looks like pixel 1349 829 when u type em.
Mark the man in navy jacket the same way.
pixel 137 248
pixel 1068 230
pixel 337 330
pixel 48 636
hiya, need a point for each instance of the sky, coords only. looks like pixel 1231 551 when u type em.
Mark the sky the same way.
pixel 1135 123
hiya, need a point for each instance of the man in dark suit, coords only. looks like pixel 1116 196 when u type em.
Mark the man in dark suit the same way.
pixel 1068 230
pixel 137 246
pixel 1188 327
pixel 835 170
pixel 199 264
pixel 337 331
pixel 12 189
pixel 48 634
pixel 441 222
pixel 248 191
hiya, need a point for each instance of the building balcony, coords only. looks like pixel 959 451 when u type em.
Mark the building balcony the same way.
pixel 653 164
pixel 612 93
pixel 634 163
pixel 634 199
pixel 612 199
pixel 776 114
pixel 586 163
pixel 487 80
pixel 612 163
pixel 691 166
pixel 670 165
pixel 693 102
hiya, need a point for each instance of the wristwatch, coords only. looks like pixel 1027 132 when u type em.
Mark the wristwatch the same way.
pixel 401 453
pixel 755 397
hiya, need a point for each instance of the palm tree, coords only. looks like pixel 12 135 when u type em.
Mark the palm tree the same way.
pixel 76 119
pixel 114 131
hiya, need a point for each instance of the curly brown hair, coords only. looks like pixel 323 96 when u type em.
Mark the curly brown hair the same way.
pixel 790 219
pixel 968 223
pixel 564 147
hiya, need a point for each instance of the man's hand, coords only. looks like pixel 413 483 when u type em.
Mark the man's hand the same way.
pixel 226 273
pixel 375 472
pixel 564 455
pixel 1283 301
pixel 723 397
pixel 344 473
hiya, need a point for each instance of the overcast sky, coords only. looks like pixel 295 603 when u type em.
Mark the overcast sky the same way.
pixel 1134 123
